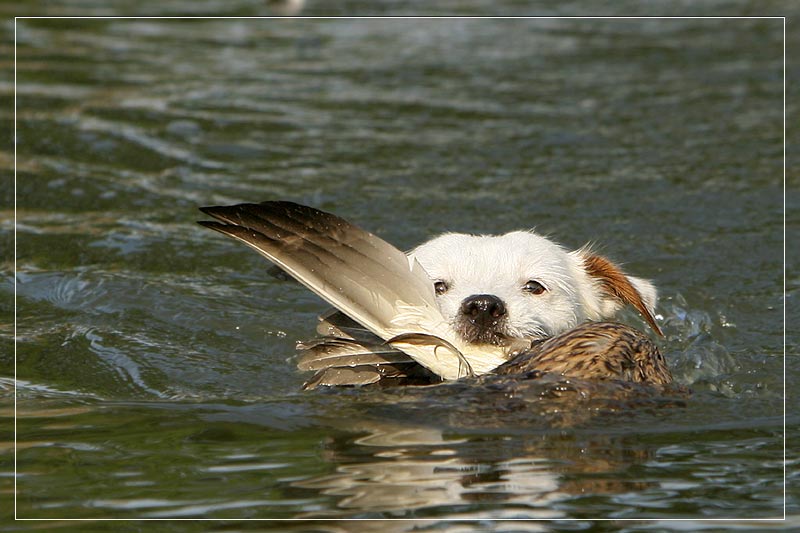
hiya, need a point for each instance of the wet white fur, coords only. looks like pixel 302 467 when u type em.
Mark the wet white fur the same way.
pixel 502 265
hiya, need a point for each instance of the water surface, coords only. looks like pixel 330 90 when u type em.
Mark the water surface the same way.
pixel 155 359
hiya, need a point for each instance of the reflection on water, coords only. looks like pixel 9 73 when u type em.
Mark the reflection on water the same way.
pixel 394 453
pixel 411 469
pixel 399 466
pixel 399 480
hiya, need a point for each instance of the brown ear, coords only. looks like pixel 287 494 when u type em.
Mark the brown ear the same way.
pixel 615 283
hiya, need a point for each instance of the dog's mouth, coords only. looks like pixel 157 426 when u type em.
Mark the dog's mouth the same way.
pixel 482 320
pixel 480 335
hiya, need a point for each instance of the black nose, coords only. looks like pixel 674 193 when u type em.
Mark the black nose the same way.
pixel 483 310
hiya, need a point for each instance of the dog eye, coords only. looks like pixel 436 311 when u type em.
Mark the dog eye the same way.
pixel 440 287
pixel 534 287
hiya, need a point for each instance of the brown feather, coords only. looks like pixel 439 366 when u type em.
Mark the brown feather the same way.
pixel 334 352
pixel 384 375
pixel 334 323
pixel 338 376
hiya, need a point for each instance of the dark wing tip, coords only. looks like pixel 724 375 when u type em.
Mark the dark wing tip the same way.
pixel 214 210
pixel 225 213
pixel 212 224
pixel 281 208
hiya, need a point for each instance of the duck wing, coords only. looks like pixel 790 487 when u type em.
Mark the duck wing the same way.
pixel 349 354
pixel 361 275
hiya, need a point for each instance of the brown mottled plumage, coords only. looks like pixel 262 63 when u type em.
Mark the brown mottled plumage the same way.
pixel 595 350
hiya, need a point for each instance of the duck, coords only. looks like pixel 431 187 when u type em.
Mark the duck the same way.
pixel 385 328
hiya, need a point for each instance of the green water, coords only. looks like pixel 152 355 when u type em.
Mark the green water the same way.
pixel 155 358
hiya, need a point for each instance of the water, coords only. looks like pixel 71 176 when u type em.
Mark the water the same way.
pixel 155 358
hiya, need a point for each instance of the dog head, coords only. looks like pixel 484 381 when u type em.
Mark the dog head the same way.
pixel 521 285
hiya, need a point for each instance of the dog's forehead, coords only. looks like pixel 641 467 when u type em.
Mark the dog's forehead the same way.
pixel 515 252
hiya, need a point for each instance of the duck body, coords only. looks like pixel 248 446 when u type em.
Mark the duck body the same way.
pixel 608 351
pixel 595 350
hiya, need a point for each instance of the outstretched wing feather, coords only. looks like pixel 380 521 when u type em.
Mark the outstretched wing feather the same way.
pixel 365 277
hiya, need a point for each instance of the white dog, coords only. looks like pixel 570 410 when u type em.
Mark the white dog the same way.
pixel 522 285
pixel 457 305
